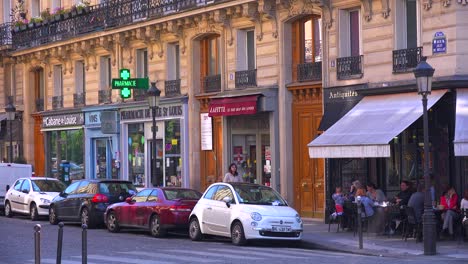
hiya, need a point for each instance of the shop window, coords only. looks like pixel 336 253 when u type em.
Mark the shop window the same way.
pixel 173 157
pixel 58 81
pixel 136 154
pixel 105 74
pixel 80 78
pixel 66 148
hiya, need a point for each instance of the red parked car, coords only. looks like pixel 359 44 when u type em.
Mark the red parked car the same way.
pixel 155 209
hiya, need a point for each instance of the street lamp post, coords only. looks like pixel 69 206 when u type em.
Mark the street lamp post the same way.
pixel 153 95
pixel 423 74
pixel 10 109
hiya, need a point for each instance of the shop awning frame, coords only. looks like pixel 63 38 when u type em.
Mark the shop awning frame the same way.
pixel 367 129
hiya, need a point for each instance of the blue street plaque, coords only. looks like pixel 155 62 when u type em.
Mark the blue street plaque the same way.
pixel 439 43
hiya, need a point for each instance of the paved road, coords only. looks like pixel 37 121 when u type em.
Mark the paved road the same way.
pixel 130 246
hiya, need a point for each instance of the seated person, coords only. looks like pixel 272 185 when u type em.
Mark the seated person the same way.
pixel 376 195
pixel 416 201
pixel 449 206
pixel 352 190
pixel 339 198
pixel 366 202
pixel 404 195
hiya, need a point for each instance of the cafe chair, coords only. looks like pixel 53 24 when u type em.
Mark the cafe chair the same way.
pixel 412 227
pixel 338 218
pixel 464 227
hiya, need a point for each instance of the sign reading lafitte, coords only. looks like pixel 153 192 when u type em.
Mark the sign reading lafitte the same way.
pixel 242 105
pixel 125 83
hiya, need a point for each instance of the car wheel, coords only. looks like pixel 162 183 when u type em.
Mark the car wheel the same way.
pixel 85 218
pixel 112 223
pixel 237 235
pixel 155 227
pixel 33 212
pixel 194 230
pixel 8 212
pixel 53 220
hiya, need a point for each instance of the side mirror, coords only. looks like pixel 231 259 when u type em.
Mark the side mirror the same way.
pixel 129 200
pixel 25 191
pixel 228 201
pixel 7 187
pixel 62 194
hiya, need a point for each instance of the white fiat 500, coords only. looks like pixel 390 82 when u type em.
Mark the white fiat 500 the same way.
pixel 244 211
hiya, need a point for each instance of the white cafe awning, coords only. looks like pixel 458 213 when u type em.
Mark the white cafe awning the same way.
pixel 366 130
pixel 460 143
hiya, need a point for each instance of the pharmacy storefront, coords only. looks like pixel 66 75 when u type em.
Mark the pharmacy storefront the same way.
pixel 163 162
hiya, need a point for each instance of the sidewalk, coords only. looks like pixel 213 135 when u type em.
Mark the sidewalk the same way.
pixel 316 236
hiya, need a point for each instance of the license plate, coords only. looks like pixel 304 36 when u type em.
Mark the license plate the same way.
pixel 281 228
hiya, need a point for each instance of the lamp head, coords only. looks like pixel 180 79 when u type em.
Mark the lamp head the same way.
pixel 423 74
pixel 10 109
pixel 153 95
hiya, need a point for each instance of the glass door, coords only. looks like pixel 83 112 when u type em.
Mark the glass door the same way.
pixel 157 162
pixel 101 159
pixel 244 155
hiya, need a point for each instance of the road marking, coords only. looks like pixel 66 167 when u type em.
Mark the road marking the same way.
pixel 212 254
pixel 53 261
pixel 256 252
pixel 170 256
pixel 126 260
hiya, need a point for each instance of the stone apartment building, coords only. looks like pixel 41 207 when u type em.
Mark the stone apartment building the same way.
pixel 241 83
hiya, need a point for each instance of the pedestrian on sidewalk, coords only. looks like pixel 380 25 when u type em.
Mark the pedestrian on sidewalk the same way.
pixel 232 175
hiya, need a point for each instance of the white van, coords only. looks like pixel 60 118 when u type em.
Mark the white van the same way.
pixel 9 173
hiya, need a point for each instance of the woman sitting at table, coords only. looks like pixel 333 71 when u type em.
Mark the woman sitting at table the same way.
pixel 448 204
pixel 365 201
pixel 376 195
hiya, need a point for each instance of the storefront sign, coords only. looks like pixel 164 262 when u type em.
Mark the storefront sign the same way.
pixel 337 102
pixel 163 111
pixel 63 120
pixel 109 122
pixel 439 43
pixel 242 105
pixel 93 118
pixel 206 132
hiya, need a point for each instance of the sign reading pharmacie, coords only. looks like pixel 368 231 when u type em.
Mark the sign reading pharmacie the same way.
pixel 161 112
pixel 76 119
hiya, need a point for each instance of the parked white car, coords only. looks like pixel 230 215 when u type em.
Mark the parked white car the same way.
pixel 244 211
pixel 32 196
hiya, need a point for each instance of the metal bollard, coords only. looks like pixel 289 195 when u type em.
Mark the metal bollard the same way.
pixel 37 243
pixel 84 254
pixel 59 243
pixel 359 211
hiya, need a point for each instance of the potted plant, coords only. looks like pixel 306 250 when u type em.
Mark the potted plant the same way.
pixel 57 13
pixel 36 21
pixel 80 8
pixel 20 24
pixel 46 16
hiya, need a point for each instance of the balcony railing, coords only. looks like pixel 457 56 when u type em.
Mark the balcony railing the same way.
pixel 406 60
pixel 57 102
pixel 79 99
pixel 246 78
pixel 349 67
pixel 212 83
pixel 104 96
pixel 39 104
pixel 172 88
pixel 5 35
pixel 111 14
pixel 309 71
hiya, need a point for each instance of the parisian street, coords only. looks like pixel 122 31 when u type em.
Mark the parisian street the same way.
pixel 131 246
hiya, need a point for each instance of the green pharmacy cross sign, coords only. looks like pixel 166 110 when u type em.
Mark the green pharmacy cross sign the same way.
pixel 125 83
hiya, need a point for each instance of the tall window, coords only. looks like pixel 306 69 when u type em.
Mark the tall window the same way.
pixel 142 63
pixel 79 77
pixel 105 73
pixel 58 82
pixel 56 3
pixel 210 56
pixel 406 24
pixel 306 46
pixel 350 41
pixel 9 87
pixel 35 8
pixel 246 59
pixel 173 61
pixel 6 11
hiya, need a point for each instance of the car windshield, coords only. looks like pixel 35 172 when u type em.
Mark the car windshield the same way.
pixel 48 186
pixel 173 194
pixel 257 194
pixel 117 188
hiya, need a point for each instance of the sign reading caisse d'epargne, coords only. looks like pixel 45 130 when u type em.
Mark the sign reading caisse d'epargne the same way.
pixel 439 43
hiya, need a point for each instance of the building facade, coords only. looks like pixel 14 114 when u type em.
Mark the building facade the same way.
pixel 241 83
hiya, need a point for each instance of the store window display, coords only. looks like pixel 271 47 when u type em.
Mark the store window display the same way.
pixel 136 154
pixel 173 158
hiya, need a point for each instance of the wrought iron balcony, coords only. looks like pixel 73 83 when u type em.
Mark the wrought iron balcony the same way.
pixel 246 78
pixel 79 99
pixel 57 102
pixel 110 14
pixel 104 96
pixel 39 104
pixel 212 83
pixel 139 94
pixel 172 88
pixel 349 67
pixel 309 71
pixel 5 36
pixel 406 60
